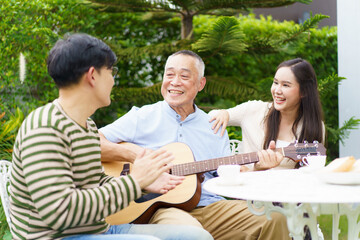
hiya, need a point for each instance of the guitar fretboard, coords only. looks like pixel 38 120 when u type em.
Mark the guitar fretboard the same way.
pixel 212 164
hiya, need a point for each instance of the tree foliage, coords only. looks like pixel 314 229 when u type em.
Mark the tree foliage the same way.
pixel 187 9
pixel 225 37
pixel 31 28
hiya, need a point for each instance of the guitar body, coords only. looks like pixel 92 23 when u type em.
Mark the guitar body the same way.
pixel 185 196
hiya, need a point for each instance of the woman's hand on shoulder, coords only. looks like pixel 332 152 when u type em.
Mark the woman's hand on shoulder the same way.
pixel 219 119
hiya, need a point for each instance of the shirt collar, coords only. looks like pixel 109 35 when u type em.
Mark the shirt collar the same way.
pixel 177 116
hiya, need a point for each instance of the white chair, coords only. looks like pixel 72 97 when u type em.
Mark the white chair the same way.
pixel 5 169
pixel 236 146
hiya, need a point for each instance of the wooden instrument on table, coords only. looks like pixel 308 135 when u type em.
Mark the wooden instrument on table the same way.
pixel 187 195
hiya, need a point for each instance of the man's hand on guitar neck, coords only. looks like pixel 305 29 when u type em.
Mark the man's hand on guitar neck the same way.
pixel 150 170
pixel 268 158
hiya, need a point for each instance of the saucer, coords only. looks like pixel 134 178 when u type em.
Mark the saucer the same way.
pixel 340 178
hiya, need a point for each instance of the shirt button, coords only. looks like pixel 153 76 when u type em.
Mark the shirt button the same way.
pixel 180 124
pixel 180 135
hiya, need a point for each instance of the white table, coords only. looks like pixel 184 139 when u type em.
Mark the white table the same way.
pixel 291 187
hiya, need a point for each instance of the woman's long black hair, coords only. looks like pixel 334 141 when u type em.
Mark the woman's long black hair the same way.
pixel 310 110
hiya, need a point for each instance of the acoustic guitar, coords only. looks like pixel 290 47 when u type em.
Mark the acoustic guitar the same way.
pixel 187 195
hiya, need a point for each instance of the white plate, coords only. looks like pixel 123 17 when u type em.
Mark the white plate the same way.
pixel 342 178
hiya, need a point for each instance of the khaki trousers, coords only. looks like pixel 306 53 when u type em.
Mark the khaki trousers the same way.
pixel 227 220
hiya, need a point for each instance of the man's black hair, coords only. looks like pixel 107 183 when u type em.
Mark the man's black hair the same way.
pixel 72 56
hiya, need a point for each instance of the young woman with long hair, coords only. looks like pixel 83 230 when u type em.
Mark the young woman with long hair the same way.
pixel 295 112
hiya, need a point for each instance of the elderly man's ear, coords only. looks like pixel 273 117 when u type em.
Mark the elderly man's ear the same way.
pixel 202 83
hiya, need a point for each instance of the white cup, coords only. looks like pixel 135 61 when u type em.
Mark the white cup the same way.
pixel 229 174
pixel 314 162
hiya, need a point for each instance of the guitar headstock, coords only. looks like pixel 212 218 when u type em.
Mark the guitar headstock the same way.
pixel 296 151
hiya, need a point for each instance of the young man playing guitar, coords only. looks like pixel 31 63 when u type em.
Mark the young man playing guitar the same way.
pixel 58 188
pixel 178 119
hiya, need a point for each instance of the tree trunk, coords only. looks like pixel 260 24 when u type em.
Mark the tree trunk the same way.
pixel 186 25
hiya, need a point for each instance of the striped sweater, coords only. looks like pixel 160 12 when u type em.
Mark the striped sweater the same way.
pixel 58 187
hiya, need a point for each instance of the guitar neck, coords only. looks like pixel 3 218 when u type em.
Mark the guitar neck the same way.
pixel 190 168
pixel 295 151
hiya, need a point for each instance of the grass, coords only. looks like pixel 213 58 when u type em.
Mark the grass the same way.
pixel 4 229
pixel 325 222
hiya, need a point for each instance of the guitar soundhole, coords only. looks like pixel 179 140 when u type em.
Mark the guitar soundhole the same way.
pixel 147 197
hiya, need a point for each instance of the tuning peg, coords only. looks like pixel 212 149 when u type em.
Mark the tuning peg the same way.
pixel 296 143
pixel 306 143
pixel 316 143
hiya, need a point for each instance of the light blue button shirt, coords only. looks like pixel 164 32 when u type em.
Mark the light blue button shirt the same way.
pixel 153 126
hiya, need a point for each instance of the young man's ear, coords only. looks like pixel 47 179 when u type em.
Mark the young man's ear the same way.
pixel 90 76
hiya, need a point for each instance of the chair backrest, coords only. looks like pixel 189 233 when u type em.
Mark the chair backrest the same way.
pixel 5 169
pixel 236 146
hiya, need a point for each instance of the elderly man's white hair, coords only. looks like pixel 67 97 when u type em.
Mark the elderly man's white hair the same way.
pixel 200 62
